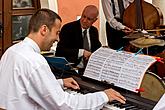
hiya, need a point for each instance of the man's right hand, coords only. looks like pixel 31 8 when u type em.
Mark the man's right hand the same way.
pixel 87 54
pixel 127 30
pixel 114 95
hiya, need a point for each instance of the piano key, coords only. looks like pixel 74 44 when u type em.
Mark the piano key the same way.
pixel 114 101
pixel 136 109
pixel 139 103
pixel 117 105
pixel 125 105
pixel 130 107
pixel 111 107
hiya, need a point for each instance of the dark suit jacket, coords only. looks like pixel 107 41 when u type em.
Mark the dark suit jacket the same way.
pixel 71 41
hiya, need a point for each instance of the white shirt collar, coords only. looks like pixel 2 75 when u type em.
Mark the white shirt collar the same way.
pixel 85 29
pixel 33 44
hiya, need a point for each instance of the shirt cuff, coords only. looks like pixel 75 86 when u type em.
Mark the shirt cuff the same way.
pixel 60 81
pixel 121 27
pixel 105 97
pixel 80 54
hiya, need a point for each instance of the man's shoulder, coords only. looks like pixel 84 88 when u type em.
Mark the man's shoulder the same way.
pixel 72 24
pixel 93 28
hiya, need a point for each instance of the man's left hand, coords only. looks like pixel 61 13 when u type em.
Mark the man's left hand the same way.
pixel 70 83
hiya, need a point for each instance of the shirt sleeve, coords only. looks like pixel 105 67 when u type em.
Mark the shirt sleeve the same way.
pixel 80 53
pixel 60 81
pixel 107 9
pixel 45 90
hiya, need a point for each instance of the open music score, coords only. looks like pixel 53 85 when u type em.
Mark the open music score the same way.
pixel 121 68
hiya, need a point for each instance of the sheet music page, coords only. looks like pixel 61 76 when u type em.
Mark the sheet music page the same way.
pixel 123 69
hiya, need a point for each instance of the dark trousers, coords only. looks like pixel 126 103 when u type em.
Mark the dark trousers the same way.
pixel 115 38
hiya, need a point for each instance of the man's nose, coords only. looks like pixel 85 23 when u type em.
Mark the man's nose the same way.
pixel 57 40
pixel 85 20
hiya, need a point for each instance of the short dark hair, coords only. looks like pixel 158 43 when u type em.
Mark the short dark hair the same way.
pixel 43 17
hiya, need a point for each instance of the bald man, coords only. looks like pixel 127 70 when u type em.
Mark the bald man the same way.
pixel 71 44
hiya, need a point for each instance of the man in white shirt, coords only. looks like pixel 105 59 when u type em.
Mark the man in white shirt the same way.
pixel 115 29
pixel 27 82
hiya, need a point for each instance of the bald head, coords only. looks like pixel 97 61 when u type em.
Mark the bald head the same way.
pixel 91 10
pixel 89 16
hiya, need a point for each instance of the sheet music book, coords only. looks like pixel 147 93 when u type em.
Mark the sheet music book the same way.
pixel 121 68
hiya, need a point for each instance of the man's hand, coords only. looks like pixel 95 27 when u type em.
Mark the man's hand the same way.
pixel 114 95
pixel 127 30
pixel 70 83
pixel 86 54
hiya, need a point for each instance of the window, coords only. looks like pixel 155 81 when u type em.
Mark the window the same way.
pixel 20 27
pixel 14 17
pixel 22 3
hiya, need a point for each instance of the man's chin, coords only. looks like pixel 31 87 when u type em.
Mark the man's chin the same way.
pixel 46 49
pixel 84 27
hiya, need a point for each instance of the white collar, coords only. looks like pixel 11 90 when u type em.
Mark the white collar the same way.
pixel 33 44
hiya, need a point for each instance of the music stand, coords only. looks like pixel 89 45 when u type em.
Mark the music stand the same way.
pixel 60 66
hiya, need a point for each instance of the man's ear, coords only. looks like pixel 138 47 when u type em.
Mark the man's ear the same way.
pixel 43 30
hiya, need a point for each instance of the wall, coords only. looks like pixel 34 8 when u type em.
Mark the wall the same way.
pixel 70 9
pixel 160 4
pixel 44 3
pixel 51 4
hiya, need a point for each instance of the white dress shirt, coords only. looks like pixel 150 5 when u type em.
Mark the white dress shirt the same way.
pixel 81 51
pixel 27 83
pixel 108 12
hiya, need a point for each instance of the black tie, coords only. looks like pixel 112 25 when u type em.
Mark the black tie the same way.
pixel 121 8
pixel 85 40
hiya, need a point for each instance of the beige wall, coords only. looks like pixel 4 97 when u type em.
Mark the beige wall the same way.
pixel 70 9
pixel 161 5
pixel 44 3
